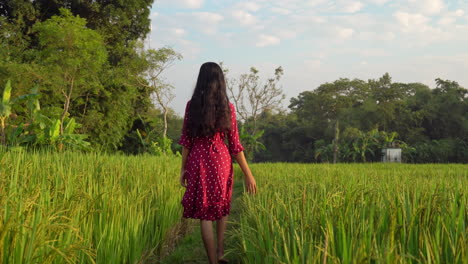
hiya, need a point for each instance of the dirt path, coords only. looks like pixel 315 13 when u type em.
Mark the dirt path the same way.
pixel 191 251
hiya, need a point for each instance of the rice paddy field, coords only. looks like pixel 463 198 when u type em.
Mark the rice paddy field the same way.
pixel 93 208
pixel 360 213
pixel 96 208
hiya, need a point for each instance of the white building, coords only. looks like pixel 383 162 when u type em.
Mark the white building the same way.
pixel 391 155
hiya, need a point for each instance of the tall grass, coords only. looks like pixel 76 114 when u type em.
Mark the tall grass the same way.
pixel 85 208
pixel 361 213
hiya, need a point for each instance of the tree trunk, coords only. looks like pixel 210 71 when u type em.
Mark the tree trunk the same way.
pixel 335 142
pixel 3 131
pixel 165 122
pixel 66 105
pixel 65 111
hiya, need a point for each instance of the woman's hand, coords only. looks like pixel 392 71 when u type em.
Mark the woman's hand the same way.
pixel 251 184
pixel 248 177
pixel 183 179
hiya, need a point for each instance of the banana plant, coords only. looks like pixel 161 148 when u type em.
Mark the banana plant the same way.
pixel 17 137
pixel 32 102
pixel 251 142
pixel 41 130
pixel 5 110
pixel 324 152
pixel 50 135
pixel 21 134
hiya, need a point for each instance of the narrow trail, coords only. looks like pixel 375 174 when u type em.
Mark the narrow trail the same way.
pixel 190 250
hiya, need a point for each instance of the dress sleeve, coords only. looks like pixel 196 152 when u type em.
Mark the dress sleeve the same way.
pixel 185 139
pixel 235 145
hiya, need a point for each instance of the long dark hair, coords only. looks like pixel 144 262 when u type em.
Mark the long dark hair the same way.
pixel 209 110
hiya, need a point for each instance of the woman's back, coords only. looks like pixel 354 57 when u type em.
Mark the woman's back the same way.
pixel 207 172
pixel 215 141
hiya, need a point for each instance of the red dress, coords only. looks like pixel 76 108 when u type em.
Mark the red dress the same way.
pixel 209 171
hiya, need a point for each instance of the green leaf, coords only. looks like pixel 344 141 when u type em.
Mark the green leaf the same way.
pixel 7 93
pixel 70 127
pixel 24 97
pixel 259 134
pixel 14 136
pixel 140 137
pixel 5 107
pixel 55 130
pixel 35 101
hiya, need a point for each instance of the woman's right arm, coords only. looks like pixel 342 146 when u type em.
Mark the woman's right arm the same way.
pixel 248 177
pixel 237 150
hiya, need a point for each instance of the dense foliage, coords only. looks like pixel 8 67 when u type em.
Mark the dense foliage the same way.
pixel 430 125
pixel 84 55
pixel 80 68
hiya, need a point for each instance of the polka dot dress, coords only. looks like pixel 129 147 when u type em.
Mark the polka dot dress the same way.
pixel 209 171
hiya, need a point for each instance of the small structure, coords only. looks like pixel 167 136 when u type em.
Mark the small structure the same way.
pixel 391 155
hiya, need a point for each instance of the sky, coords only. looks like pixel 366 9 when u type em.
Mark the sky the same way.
pixel 314 41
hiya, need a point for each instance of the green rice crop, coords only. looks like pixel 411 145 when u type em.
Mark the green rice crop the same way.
pixel 355 213
pixel 86 208
pixel 97 208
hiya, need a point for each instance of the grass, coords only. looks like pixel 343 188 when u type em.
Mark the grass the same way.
pixel 86 208
pixel 96 208
pixel 355 213
pixel 191 250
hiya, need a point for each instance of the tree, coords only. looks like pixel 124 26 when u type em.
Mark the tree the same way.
pixel 326 105
pixel 107 109
pixel 157 61
pixel 72 55
pixel 447 112
pixel 119 22
pixel 251 97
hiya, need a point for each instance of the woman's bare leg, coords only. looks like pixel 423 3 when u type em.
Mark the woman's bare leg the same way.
pixel 208 240
pixel 220 229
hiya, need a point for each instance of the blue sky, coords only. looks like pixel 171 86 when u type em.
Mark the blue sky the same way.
pixel 315 41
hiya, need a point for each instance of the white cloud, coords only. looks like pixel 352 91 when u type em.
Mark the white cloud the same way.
pixel 176 38
pixel 344 33
pixel 249 6
pixel 313 64
pixel 308 19
pixel 374 53
pixel 209 17
pixel 314 3
pixel 412 22
pixel 449 18
pixel 178 31
pixel 387 36
pixel 267 40
pixel 245 18
pixel 154 14
pixel 373 36
pixel 379 2
pixel 205 22
pixel 353 7
pixel 445 21
pixel 281 11
pixel 429 7
pixel 190 4
pixel 287 33
pixel 378 36
pixel 186 23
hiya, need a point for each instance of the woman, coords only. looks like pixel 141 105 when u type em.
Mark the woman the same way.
pixel 207 170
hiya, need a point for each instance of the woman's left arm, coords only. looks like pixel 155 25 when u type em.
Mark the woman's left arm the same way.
pixel 183 180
